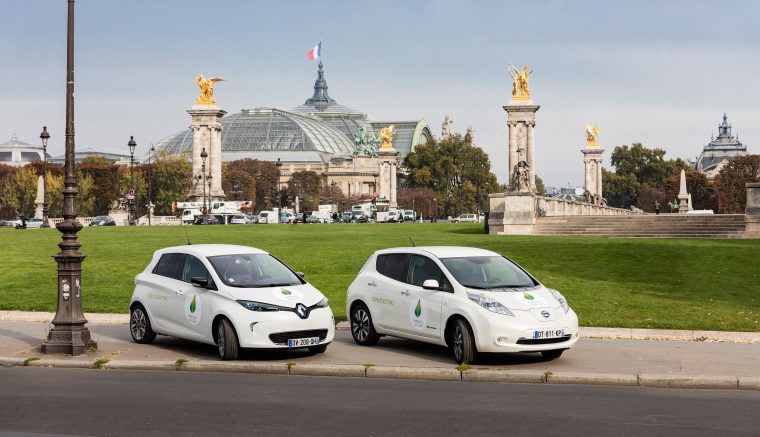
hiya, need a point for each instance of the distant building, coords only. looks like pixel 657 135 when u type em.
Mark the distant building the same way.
pixel 93 152
pixel 720 151
pixel 317 136
pixel 18 153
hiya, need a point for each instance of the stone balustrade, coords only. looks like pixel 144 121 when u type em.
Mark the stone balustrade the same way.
pixel 159 220
pixel 549 206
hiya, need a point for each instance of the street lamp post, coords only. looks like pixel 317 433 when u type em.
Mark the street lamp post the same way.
pixel 208 181
pixel 69 334
pixel 150 174
pixel 131 195
pixel 202 177
pixel 44 136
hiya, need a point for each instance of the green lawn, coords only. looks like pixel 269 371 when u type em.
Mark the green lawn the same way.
pixel 645 283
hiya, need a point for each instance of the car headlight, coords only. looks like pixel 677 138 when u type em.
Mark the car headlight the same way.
pixel 560 298
pixel 322 303
pixel 258 306
pixel 490 304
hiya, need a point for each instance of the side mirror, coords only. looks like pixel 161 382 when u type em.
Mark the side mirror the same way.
pixel 300 274
pixel 431 284
pixel 200 281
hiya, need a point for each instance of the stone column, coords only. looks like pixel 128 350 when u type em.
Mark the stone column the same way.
pixel 752 210
pixel 387 157
pixel 207 127
pixel 40 199
pixel 592 160
pixel 521 114
pixel 392 198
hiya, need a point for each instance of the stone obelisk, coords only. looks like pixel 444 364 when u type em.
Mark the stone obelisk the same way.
pixel 207 134
pixel 521 120
pixel 40 200
pixel 388 157
pixel 683 196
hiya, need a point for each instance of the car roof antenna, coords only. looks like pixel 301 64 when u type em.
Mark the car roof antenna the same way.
pixel 413 245
pixel 182 223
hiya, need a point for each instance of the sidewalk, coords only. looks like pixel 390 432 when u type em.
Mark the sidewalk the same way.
pixel 689 359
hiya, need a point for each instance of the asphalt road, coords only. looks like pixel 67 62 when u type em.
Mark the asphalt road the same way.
pixel 85 402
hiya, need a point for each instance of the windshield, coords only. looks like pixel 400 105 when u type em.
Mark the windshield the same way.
pixel 486 272
pixel 253 270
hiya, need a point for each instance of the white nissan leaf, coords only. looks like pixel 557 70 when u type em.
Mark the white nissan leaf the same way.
pixel 231 296
pixel 471 300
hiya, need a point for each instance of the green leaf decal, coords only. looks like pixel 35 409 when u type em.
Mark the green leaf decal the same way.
pixel 286 292
pixel 418 309
pixel 528 296
pixel 192 305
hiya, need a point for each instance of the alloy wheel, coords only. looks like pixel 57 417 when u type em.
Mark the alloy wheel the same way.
pixel 360 324
pixel 458 340
pixel 137 324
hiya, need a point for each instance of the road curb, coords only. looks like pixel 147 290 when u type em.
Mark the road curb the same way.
pixel 408 373
pixel 585 331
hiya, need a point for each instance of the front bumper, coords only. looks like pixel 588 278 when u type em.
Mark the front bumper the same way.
pixel 498 333
pixel 271 330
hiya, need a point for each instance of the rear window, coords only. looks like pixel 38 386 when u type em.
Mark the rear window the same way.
pixel 170 265
pixel 393 265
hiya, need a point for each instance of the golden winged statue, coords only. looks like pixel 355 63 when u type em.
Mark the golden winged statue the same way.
pixel 386 136
pixel 206 96
pixel 591 133
pixel 520 89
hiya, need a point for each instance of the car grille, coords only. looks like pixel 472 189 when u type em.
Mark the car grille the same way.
pixel 543 340
pixel 283 337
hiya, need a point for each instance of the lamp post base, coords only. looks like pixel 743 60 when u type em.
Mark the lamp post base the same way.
pixel 68 339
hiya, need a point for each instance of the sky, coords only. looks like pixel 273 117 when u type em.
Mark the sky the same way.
pixel 657 72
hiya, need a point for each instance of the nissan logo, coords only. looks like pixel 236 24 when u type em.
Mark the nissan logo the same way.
pixel 302 311
pixel 545 314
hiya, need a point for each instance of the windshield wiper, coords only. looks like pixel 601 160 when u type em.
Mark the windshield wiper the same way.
pixel 477 287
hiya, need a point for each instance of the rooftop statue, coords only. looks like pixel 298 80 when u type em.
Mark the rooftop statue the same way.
pixel 520 89
pixel 366 143
pixel 591 133
pixel 386 136
pixel 206 96
pixel 446 127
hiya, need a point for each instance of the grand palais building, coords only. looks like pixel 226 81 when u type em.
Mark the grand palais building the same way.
pixel 317 136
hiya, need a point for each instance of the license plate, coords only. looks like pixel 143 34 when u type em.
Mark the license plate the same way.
pixel 301 342
pixel 548 333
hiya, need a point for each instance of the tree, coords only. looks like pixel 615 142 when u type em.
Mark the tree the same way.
pixel 20 191
pixel 266 176
pixel 732 180
pixel 171 180
pixel 417 199
pixel 540 187
pixel 238 185
pixel 458 171
pixel 637 167
pixel 306 185
pixel 105 177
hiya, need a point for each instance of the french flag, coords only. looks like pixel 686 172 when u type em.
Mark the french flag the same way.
pixel 316 52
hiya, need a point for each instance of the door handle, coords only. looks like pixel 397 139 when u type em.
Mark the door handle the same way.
pixel 180 292
pixel 405 292
pixel 372 284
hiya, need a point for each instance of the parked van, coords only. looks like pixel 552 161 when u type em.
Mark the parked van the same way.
pixel 189 215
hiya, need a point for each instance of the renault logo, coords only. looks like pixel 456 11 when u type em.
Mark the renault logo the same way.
pixel 545 313
pixel 302 311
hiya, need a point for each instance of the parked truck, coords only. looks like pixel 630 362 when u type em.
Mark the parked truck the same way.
pixel 222 208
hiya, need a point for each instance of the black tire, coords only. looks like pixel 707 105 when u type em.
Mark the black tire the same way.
pixel 318 349
pixel 227 341
pixel 362 329
pixel 139 325
pixel 462 343
pixel 552 354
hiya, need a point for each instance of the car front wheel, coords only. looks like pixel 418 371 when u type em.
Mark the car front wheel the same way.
pixel 462 343
pixel 226 340
pixel 139 325
pixel 361 326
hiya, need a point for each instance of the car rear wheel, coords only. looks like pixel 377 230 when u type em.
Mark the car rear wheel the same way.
pixel 139 325
pixel 462 343
pixel 552 354
pixel 361 326
pixel 226 340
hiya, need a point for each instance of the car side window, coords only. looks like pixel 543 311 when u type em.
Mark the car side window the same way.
pixel 194 268
pixel 422 268
pixel 170 265
pixel 393 265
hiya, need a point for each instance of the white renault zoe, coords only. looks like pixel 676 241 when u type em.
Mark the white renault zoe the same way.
pixel 471 300
pixel 232 296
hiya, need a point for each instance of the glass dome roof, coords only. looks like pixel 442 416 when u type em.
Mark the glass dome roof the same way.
pixel 269 129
